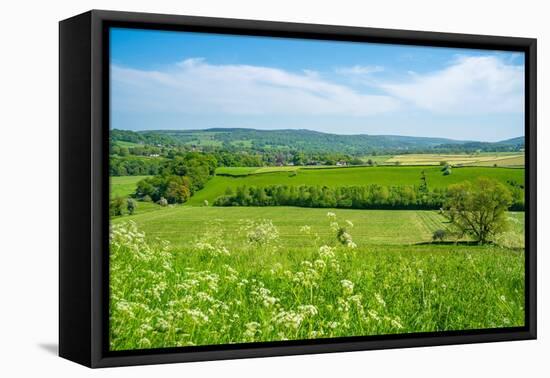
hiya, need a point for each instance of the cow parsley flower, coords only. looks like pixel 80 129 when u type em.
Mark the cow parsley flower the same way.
pixel 347 286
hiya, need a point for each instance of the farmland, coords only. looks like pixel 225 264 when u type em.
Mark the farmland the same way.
pixel 218 282
pixel 181 224
pixel 482 159
pixel 190 274
pixel 382 175
pixel 124 186
pixel 286 192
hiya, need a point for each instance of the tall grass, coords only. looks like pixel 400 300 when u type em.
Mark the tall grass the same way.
pixel 244 285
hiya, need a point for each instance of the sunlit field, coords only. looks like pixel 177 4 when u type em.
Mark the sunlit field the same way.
pixel 332 177
pixel 264 197
pixel 203 280
pixel 196 274
pixel 499 159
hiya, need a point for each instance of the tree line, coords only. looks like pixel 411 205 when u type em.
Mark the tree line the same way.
pixel 176 180
pixel 137 162
pixel 373 196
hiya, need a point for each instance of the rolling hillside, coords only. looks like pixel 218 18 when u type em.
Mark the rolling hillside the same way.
pixel 306 141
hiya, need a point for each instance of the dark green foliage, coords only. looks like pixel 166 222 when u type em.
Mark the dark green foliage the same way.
pixel 479 208
pixel 131 205
pixel 439 235
pixel 175 189
pixel 179 178
pixel 423 188
pixel 353 197
pixel 307 141
pixel 134 166
pixel 116 205
pixel 518 195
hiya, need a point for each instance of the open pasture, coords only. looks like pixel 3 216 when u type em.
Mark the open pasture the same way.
pixel 182 225
pixel 124 186
pixel 482 159
pixel 302 283
pixel 349 176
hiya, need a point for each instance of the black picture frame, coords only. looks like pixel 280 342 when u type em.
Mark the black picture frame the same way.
pixel 84 187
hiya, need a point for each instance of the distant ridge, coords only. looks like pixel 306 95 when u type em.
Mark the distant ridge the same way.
pixel 513 141
pixel 309 141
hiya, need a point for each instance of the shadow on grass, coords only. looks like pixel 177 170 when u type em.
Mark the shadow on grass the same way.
pixel 462 242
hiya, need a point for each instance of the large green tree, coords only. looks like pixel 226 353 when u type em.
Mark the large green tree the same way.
pixel 478 208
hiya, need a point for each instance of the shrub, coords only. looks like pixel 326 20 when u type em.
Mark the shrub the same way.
pixel 115 206
pixel 163 202
pixel 439 235
pixel 131 205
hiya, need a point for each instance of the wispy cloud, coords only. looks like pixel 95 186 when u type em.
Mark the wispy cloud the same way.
pixel 470 85
pixel 359 70
pixel 195 86
pixel 467 86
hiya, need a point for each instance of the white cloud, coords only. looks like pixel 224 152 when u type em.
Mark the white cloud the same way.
pixel 468 86
pixel 195 86
pixel 359 70
pixel 471 85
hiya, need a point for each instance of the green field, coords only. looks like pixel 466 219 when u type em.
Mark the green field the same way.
pixel 401 175
pixel 181 225
pixel 378 159
pixel 502 159
pixel 233 177
pixel 226 275
pixel 191 274
pixel 124 186
pixel 122 143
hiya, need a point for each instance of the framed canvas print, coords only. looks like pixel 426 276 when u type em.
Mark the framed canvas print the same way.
pixel 234 188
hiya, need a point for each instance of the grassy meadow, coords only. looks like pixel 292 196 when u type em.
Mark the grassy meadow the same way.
pixel 229 177
pixel 191 274
pixel 502 159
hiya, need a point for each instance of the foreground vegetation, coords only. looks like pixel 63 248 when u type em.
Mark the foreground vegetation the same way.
pixel 234 275
pixel 180 225
pixel 183 272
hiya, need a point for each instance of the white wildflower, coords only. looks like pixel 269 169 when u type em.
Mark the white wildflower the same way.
pixel 308 310
pixel 305 229
pixel 333 325
pixel 326 252
pixel 379 299
pixel 251 329
pixel 347 286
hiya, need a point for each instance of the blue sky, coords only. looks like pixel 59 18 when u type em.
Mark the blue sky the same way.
pixel 180 80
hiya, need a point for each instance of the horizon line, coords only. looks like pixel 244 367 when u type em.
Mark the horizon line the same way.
pixel 319 132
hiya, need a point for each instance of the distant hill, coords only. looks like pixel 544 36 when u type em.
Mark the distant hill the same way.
pixel 305 140
pixel 513 141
